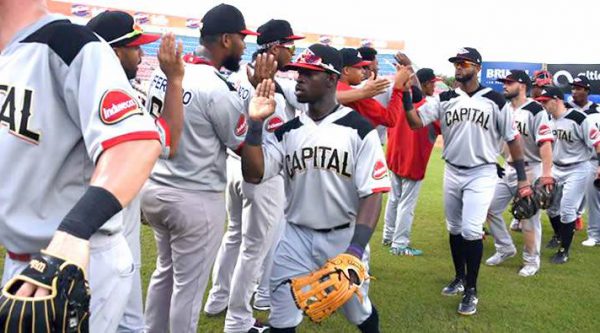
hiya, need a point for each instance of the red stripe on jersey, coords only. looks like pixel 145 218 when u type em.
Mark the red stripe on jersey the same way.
pixel 381 189
pixel 238 150
pixel 144 135
pixel 545 140
pixel 420 103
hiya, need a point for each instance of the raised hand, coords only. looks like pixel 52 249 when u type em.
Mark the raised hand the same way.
pixel 170 57
pixel 402 76
pixel 265 67
pixel 402 59
pixel 374 87
pixel 263 103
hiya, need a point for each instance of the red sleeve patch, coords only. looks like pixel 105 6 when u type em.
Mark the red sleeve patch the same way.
pixel 117 105
pixel 274 123
pixel 242 127
pixel 594 134
pixel 379 170
pixel 544 130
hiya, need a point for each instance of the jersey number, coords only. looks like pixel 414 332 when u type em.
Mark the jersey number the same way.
pixel 16 120
pixel 155 107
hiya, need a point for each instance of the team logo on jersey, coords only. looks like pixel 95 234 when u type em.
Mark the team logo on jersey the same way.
pixel 242 127
pixel 594 134
pixel 379 170
pixel 117 105
pixel 544 130
pixel 274 123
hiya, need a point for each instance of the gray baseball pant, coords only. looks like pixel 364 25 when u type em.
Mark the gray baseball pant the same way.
pixel 400 210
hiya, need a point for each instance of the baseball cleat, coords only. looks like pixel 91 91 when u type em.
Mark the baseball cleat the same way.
pixel 405 251
pixel 553 243
pixel 262 305
pixel 590 242
pixel 258 327
pixel 454 288
pixel 499 258
pixel 386 242
pixel 468 305
pixel 528 270
pixel 515 225
pixel 560 257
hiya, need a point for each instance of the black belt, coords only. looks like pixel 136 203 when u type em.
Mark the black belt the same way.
pixel 339 227
pixel 468 168
pixel 567 165
pixel 512 164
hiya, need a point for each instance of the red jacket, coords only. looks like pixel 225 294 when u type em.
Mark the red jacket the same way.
pixel 376 113
pixel 408 150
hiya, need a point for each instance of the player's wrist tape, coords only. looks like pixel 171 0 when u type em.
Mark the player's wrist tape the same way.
pixel 254 135
pixel 360 239
pixel 417 94
pixel 95 207
pixel 407 101
pixel 519 166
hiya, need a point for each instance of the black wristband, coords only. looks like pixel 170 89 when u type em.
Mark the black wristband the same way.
pixel 519 166
pixel 254 135
pixel 598 158
pixel 361 237
pixel 407 101
pixel 417 94
pixel 95 207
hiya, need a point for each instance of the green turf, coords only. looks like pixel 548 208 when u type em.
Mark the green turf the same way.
pixel 407 289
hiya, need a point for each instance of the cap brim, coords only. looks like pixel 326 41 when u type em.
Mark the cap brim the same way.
pixel 294 37
pixel 543 98
pixel 579 85
pixel 506 80
pixel 456 59
pixel 361 64
pixel 144 39
pixel 296 65
pixel 249 32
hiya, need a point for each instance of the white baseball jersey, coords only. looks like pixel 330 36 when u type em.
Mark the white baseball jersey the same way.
pixel 213 121
pixel 64 101
pixel 592 110
pixel 533 123
pixel 575 136
pixel 328 166
pixel 473 126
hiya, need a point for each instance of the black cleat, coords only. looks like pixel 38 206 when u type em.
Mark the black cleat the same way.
pixel 560 257
pixel 455 287
pixel 468 305
pixel 259 327
pixel 553 243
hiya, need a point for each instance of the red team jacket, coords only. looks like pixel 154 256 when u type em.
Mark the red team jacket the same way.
pixel 376 113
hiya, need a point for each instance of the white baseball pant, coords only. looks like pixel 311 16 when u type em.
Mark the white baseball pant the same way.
pixel 572 182
pixel 400 210
pixel 593 201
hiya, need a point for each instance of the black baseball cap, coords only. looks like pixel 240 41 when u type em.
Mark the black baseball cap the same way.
pixel 119 29
pixel 467 54
pixel 582 81
pixel 426 75
pixel 550 92
pixel 517 75
pixel 367 53
pixel 318 57
pixel 276 31
pixel 224 19
pixel 351 58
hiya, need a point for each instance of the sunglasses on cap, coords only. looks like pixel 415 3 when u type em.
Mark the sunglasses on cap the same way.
pixel 289 47
pixel 464 64
pixel 137 30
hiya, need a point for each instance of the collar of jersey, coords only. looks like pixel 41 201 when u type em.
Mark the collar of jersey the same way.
pixel 339 112
pixel 477 92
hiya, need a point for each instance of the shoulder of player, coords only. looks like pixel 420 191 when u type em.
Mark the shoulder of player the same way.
pixel 287 127
pixel 448 95
pixel 495 97
pixel 534 107
pixel 576 116
pixel 64 38
pixel 593 109
pixel 356 121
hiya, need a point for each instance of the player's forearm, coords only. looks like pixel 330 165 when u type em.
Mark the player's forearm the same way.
pixel 546 156
pixel 173 112
pixel 348 96
pixel 253 164
pixel 414 121
pixel 515 148
pixel 366 221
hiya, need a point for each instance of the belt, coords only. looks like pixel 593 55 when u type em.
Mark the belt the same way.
pixel 512 164
pixel 24 257
pixel 567 165
pixel 466 167
pixel 339 227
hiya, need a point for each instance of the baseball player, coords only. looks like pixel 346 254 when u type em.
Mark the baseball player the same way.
pixel 407 156
pixel 334 173
pixel 255 211
pixel 67 106
pixel 576 138
pixel 475 122
pixel 113 26
pixel 535 128
pixel 580 89
pixel 184 201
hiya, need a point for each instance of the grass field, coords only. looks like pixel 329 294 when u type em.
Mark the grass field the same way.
pixel 407 290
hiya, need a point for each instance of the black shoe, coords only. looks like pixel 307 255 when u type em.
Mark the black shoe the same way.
pixel 468 305
pixel 455 287
pixel 259 327
pixel 560 257
pixel 553 243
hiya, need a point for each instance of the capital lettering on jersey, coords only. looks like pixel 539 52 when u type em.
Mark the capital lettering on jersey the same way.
pixel 522 128
pixel 468 114
pixel 324 158
pixel 563 135
pixel 16 112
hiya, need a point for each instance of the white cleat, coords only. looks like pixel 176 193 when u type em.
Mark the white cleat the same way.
pixel 499 258
pixel 528 270
pixel 590 242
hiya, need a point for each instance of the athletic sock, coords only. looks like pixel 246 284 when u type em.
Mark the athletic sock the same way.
pixel 371 324
pixel 566 235
pixel 458 255
pixel 556 224
pixel 473 254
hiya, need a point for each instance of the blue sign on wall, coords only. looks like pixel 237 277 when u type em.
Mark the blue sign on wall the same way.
pixel 493 70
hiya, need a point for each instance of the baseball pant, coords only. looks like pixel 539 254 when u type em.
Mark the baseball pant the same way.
pixel 188 228
pixel 110 274
pixel 133 318
pixel 262 211
pixel 572 182
pixel 400 210
pixel 506 189
pixel 468 194
pixel 299 252
pixel 263 293
pixel 593 201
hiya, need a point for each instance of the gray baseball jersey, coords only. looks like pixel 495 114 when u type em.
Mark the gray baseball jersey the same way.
pixel 213 121
pixel 59 113
pixel 575 136
pixel 533 123
pixel 590 106
pixel 480 120
pixel 328 166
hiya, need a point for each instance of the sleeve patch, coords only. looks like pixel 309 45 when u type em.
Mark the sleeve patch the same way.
pixel 274 123
pixel 117 105
pixel 242 127
pixel 544 130
pixel 594 134
pixel 379 170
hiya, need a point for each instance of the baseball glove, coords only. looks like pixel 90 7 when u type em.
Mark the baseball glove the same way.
pixel 524 206
pixel 322 292
pixel 65 309
pixel 544 188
